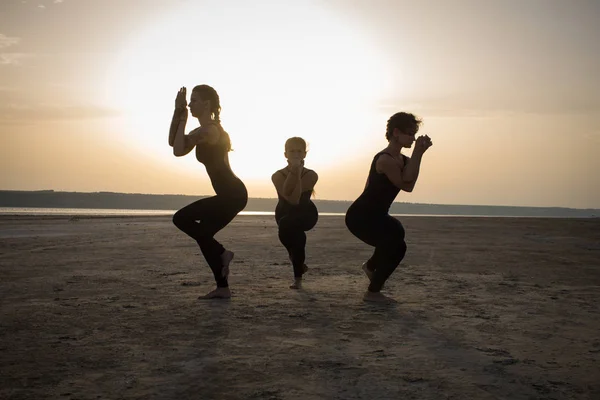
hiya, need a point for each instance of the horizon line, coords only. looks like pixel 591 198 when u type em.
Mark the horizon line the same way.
pixel 275 198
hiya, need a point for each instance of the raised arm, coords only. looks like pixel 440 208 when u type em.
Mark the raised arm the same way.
pixel 178 114
pixel 404 175
pixel 174 126
pixel 393 169
pixel 185 143
pixel 290 187
pixel 410 172
pixel 182 145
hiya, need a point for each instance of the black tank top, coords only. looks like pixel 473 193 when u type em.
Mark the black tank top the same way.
pixel 222 178
pixel 305 205
pixel 380 192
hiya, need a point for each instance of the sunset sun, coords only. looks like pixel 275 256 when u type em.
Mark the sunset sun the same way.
pixel 281 78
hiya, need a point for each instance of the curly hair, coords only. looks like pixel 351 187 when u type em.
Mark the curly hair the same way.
pixel 402 121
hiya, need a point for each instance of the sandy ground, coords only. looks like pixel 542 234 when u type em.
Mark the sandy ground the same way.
pixel 488 308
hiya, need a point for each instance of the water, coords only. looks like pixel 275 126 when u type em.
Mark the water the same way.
pixel 80 211
pixel 99 212
pixel 112 212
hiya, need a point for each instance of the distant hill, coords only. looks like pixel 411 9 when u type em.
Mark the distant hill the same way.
pixel 134 201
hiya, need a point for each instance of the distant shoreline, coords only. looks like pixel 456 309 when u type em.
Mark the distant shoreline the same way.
pixel 48 199
pixel 83 213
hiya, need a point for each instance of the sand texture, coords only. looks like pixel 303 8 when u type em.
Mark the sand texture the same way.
pixel 487 308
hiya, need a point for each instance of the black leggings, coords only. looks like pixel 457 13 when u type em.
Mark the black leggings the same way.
pixel 202 219
pixel 386 234
pixel 291 234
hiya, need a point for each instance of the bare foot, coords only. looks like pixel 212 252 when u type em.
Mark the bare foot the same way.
pixel 218 293
pixel 367 271
pixel 377 297
pixel 297 284
pixel 226 258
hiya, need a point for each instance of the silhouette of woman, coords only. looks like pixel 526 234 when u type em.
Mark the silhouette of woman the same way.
pixel 295 212
pixel 368 218
pixel 202 219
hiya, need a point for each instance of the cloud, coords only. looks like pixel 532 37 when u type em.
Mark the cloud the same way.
pixel 58 1
pixel 10 58
pixel 18 113
pixel 13 58
pixel 7 41
pixel 498 103
pixel 41 6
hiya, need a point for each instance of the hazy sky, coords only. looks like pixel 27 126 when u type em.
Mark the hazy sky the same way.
pixel 509 91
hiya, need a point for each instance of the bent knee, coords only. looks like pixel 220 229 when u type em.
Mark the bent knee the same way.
pixel 179 218
pixel 399 250
pixel 396 248
pixel 401 247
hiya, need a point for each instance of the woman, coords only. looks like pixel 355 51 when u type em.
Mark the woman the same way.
pixel 202 219
pixel 295 212
pixel 368 218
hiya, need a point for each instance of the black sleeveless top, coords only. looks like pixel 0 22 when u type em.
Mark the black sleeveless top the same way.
pixel 305 205
pixel 380 192
pixel 222 178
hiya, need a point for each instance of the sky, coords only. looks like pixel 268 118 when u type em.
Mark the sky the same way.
pixel 508 91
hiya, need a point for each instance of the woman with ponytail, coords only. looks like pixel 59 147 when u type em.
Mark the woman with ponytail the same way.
pixel 202 219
